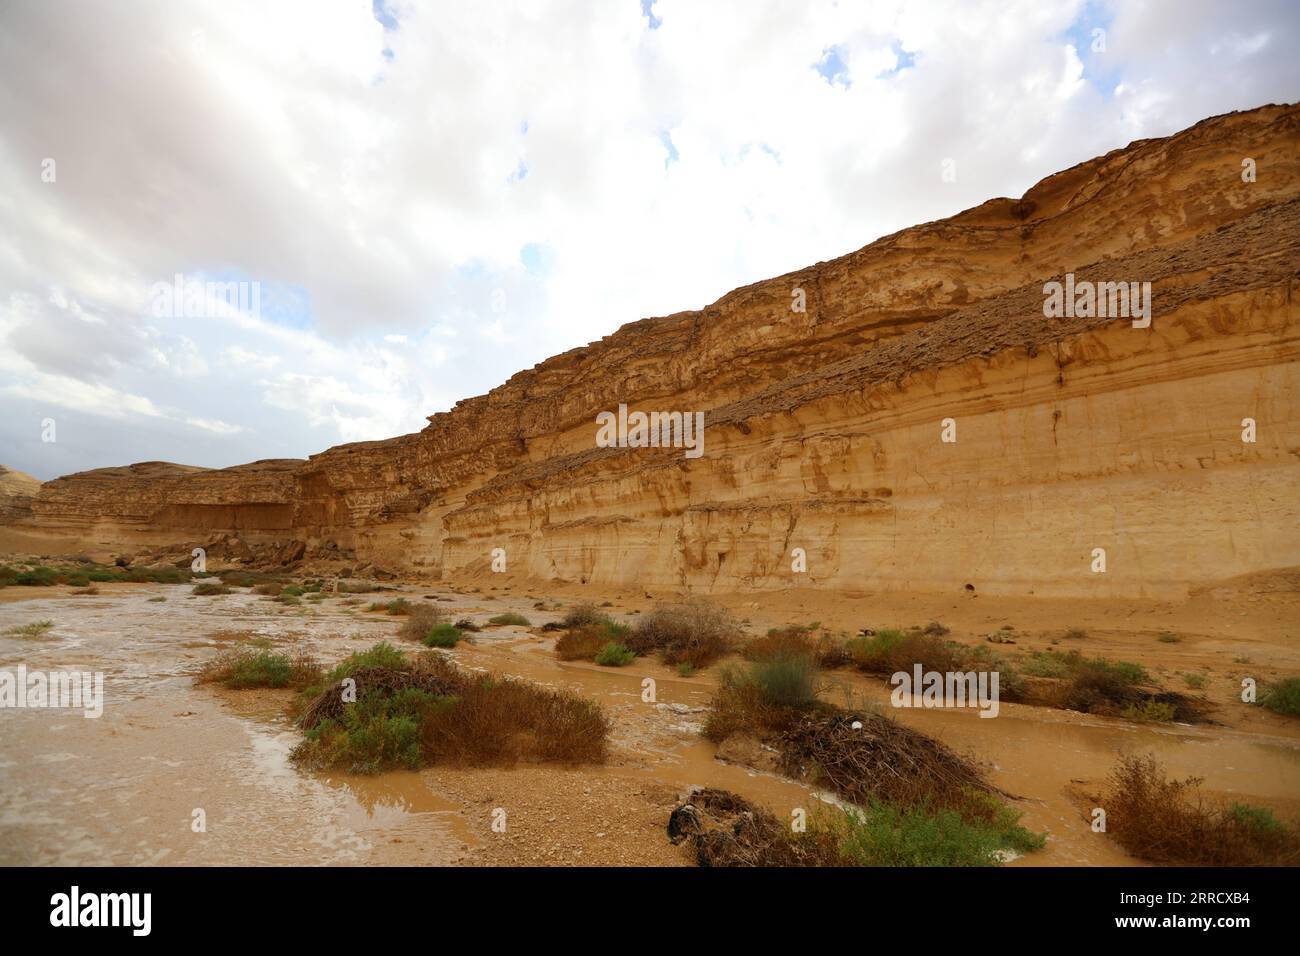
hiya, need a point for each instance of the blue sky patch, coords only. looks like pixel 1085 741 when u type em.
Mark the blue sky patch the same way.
pixel 832 67
pixel 646 10
pixel 383 14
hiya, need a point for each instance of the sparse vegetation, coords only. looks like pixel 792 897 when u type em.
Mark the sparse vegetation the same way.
pixel 429 712
pixel 443 635
pixel 29 631
pixel 1169 821
pixel 396 607
pixel 585 641
pixel 1168 637
pixel 916 802
pixel 697 631
pixel 510 618
pixel 1283 697
pixel 253 666
pixel 209 588
pixel 582 615
pixel 1194 681
pixel 798 641
pixel 615 654
pixel 86 573
pixel 420 620
pixel 1149 711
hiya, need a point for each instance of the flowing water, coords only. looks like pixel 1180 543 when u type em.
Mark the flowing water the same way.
pixel 129 786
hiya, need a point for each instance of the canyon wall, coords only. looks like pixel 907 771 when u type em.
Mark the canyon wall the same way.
pixel 825 427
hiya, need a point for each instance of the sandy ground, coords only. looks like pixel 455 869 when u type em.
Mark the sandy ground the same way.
pixel 230 747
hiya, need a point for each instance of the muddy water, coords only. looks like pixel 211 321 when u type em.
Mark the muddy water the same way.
pixel 123 788
pixel 1050 760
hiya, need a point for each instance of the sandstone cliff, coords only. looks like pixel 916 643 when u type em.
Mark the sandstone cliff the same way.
pixel 824 426
pixel 16 492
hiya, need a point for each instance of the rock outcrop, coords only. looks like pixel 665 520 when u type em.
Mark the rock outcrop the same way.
pixel 1171 447
pixel 16 493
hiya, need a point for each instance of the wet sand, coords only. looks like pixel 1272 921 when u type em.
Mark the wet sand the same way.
pixel 123 788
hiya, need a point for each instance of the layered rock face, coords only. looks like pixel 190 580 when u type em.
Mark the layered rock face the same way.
pixel 921 424
pixel 16 492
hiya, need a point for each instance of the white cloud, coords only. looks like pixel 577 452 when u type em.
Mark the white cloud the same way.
pixel 279 144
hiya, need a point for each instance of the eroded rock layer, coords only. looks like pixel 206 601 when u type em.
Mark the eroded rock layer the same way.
pixel 824 428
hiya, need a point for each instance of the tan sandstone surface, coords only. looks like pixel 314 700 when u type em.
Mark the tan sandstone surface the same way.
pixel 823 427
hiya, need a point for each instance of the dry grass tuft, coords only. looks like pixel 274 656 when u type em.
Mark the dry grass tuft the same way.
pixel 420 620
pixel 697 632
pixel 796 640
pixel 1169 821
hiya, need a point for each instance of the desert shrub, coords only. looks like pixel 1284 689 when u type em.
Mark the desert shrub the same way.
pixel 157 600
pixel 586 641
pixel 498 721
pixel 697 631
pixel 420 620
pixel 727 830
pixel 1075 634
pixel 883 834
pixel 381 655
pixel 289 599
pixel 270 588
pixel 795 640
pixel 377 732
pixel 1194 681
pixel 786 681
pixel 1170 821
pixel 396 607
pixel 246 667
pixel 509 618
pixel 614 654
pixel 38 576
pixel 209 588
pixel 443 635
pixel 582 615
pixel 429 711
pixel 581 643
pixel 685 669
pixel 1149 711
pixel 1167 637
pixel 1283 697
pixel 762 697
pixel 890 651
pixel 28 631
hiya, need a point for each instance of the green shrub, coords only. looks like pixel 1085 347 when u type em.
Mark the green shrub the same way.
pixel 25 631
pixel 257 666
pixel 883 834
pixel 1150 711
pixel 376 732
pixel 208 588
pixel 509 618
pixel 382 654
pixel 1167 637
pixel 1283 697
pixel 615 654
pixel 789 681
pixel 443 635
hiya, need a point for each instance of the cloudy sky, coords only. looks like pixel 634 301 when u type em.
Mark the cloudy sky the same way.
pixel 432 196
